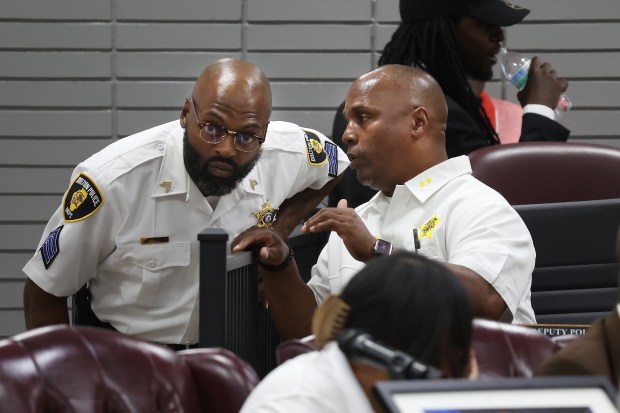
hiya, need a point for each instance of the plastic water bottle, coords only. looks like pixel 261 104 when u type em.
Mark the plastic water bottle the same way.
pixel 515 68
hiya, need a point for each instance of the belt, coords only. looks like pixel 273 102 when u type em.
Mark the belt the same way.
pixel 179 347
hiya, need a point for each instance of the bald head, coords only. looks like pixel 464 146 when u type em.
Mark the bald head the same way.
pixel 396 125
pixel 413 87
pixel 237 79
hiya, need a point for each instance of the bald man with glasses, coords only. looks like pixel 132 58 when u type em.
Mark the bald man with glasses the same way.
pixel 128 222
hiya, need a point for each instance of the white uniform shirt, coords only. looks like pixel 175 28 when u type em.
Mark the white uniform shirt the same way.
pixel 134 215
pixel 319 381
pixel 459 220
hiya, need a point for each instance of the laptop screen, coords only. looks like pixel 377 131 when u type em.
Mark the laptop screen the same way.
pixel 582 394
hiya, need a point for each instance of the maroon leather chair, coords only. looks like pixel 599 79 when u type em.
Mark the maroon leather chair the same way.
pixel 507 350
pixel 502 350
pixel 292 348
pixel 85 369
pixel 222 379
pixel 547 172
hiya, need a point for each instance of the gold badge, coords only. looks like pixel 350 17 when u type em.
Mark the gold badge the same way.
pixel 77 198
pixel 253 183
pixel 430 225
pixel 266 216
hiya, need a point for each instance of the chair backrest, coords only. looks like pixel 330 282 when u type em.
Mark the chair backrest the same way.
pixel 544 172
pixel 84 369
pixel 223 379
pixel 292 348
pixel 576 276
pixel 507 350
pixel 502 350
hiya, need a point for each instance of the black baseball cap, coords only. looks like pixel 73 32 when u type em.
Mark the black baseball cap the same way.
pixel 497 12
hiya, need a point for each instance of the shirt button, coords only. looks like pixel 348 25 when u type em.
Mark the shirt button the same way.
pixel 160 147
pixel 152 264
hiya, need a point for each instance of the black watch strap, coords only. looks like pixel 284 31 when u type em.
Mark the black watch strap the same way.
pixel 283 265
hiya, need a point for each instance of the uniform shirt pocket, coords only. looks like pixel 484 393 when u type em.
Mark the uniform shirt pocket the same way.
pixel 150 265
pixel 339 280
pixel 429 249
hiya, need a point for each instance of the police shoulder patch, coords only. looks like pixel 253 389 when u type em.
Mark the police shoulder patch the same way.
pixel 316 154
pixel 82 199
pixel 51 247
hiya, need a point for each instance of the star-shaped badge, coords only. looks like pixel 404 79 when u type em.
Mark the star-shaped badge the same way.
pixel 266 216
pixel 428 227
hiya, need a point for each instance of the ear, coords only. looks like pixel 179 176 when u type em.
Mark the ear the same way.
pixel 184 112
pixel 419 121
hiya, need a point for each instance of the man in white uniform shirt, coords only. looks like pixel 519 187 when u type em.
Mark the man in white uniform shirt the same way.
pixel 426 203
pixel 129 221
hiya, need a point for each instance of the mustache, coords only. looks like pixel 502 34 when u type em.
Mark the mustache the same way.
pixel 217 158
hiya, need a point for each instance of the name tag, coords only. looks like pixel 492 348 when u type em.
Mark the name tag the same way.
pixel 154 240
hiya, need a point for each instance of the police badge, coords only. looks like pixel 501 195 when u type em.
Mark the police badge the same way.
pixel 266 216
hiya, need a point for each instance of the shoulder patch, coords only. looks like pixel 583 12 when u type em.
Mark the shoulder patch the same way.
pixel 332 157
pixel 51 248
pixel 82 199
pixel 316 155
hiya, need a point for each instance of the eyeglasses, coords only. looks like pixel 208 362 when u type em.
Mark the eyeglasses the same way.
pixel 213 133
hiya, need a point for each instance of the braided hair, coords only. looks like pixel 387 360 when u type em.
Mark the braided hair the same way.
pixel 431 45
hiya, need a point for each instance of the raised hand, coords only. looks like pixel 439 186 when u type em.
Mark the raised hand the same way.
pixel 543 87
pixel 349 226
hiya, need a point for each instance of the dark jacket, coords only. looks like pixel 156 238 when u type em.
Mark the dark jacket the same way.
pixel 597 353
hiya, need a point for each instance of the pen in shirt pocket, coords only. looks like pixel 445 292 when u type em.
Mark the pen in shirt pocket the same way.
pixel 416 240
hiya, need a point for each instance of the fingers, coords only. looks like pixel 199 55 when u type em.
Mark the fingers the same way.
pixel 342 203
pixel 253 237
pixel 543 86
pixel 327 219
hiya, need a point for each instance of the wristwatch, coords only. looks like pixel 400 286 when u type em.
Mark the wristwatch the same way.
pixel 382 247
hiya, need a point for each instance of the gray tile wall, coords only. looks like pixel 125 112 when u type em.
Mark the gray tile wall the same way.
pixel 77 74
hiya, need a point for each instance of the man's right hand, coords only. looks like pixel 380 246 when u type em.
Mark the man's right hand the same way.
pixel 272 250
pixel 291 301
pixel 543 87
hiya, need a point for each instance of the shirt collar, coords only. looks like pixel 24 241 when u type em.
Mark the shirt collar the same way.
pixel 173 178
pixel 426 184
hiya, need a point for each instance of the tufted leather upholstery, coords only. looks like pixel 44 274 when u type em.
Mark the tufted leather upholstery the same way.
pixel 502 350
pixel 292 348
pixel 84 369
pixel 546 172
pixel 223 380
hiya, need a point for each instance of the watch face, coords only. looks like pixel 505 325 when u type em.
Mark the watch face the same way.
pixel 382 247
